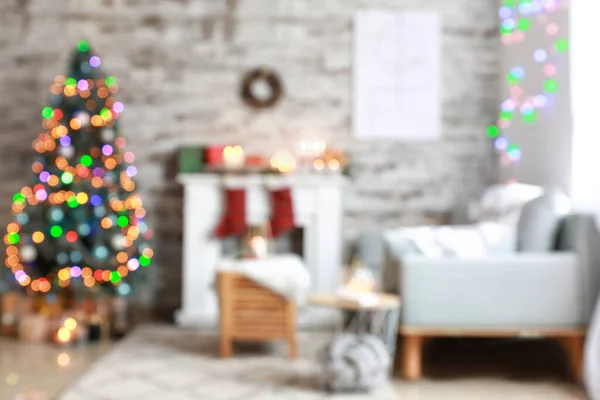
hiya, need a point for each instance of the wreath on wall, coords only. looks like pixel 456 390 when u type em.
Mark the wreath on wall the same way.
pixel 261 88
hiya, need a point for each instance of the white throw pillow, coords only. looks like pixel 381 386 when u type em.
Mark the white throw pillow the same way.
pixel 462 241
pixel 420 240
pixel 499 238
pixel 503 202
pixel 478 240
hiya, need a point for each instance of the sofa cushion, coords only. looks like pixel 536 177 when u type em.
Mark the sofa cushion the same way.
pixel 452 240
pixel 540 220
pixel 498 238
pixel 503 202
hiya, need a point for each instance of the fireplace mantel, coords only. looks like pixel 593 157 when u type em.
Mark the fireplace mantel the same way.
pixel 318 205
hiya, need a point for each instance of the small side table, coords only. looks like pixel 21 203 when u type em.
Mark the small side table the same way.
pixel 379 318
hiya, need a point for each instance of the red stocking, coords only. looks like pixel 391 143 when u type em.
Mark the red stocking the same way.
pixel 282 211
pixel 233 221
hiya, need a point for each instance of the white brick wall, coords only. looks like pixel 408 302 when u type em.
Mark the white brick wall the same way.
pixel 179 63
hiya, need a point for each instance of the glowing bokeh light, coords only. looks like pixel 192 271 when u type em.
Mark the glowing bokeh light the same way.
pixel 131 171
pixel 516 22
pixel 95 61
pixel 83 175
pixel 549 70
pixel 540 101
pixel 562 45
pixel 118 107
pixel 540 55
pixel 552 29
pixel 83 46
pixel 514 153
pixel 63 359
pixel 75 271
pixel 65 141
pixel 83 85
pixel 550 86
pixel 505 12
pixel 518 72
pixel 501 143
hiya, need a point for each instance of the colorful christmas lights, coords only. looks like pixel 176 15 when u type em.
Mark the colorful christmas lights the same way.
pixel 80 219
pixel 516 20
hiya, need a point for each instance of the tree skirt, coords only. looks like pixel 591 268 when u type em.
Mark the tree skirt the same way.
pixel 168 363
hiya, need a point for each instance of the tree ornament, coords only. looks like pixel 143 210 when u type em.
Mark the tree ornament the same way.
pixel 66 151
pixel 109 178
pixel 100 252
pixel 83 117
pixel 99 211
pixel 84 229
pixel 124 289
pixel 56 214
pixel 76 257
pixel 117 242
pixel 62 258
pixel 142 226
pixel 108 134
pixel 22 218
pixel 27 253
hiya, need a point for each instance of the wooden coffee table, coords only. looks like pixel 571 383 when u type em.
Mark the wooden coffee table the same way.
pixel 384 301
pixel 379 317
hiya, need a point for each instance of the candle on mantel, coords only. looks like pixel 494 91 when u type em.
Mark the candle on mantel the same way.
pixel 283 161
pixel 233 157
pixel 307 151
pixel 214 155
pixel 259 246
pixel 311 148
pixel 333 164
pixel 318 164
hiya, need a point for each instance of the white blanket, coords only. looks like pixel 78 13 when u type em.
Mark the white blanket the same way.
pixel 285 274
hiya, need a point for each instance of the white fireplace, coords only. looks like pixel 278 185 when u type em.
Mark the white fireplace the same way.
pixel 317 201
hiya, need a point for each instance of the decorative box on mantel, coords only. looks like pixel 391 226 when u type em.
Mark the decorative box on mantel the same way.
pixel 318 206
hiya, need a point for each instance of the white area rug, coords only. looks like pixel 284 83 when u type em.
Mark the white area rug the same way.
pixel 166 363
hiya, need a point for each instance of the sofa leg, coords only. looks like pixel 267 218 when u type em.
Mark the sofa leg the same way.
pixel 412 357
pixel 574 348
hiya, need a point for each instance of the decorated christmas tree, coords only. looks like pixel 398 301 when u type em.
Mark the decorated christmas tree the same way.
pixel 80 224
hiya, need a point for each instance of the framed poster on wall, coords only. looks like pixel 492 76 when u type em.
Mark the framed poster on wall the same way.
pixel 397 67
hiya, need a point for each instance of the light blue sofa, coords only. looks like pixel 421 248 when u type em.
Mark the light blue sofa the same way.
pixel 521 292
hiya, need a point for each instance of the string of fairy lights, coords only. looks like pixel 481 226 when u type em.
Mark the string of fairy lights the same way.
pixel 66 183
pixel 517 18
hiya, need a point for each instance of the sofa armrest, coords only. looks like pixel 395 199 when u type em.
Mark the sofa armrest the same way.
pixel 579 234
pixel 533 289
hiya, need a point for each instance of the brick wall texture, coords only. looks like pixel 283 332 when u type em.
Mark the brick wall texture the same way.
pixel 179 65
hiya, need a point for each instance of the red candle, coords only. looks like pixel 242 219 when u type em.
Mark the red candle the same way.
pixel 214 155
